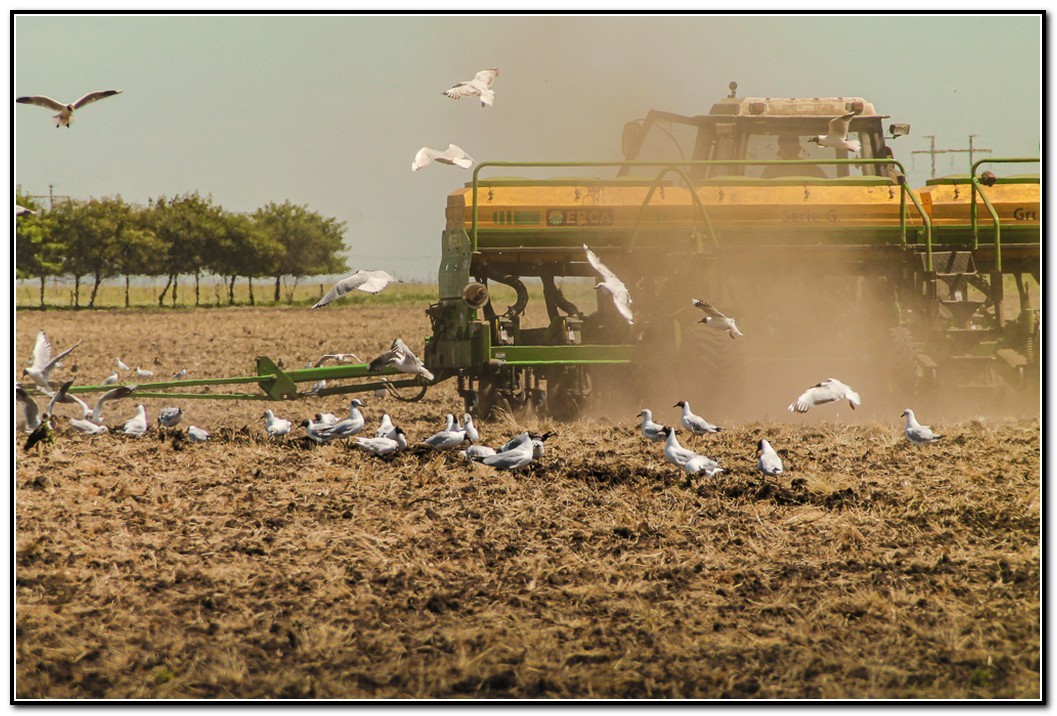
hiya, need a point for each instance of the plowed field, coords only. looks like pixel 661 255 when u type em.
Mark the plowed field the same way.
pixel 246 567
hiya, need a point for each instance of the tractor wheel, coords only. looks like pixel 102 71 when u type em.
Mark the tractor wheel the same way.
pixel 568 393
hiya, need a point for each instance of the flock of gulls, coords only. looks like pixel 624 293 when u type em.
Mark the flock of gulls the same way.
pixel 389 438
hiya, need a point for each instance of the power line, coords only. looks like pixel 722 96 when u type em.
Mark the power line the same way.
pixel 933 151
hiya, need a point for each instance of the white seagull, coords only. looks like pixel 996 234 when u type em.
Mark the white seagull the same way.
pixel 385 427
pixel 837 134
pixel 769 462
pixel 180 374
pixel 479 86
pixel 136 426
pixel 654 432
pixel 695 423
pixel 43 364
pixel 476 452
pixel 371 281
pixel 400 357
pixel 916 432
pixel 827 391
pixel 143 373
pixel 170 417
pixel 111 379
pixel 675 453
pixel 612 284
pixel 115 394
pixel 702 464
pixel 469 428
pixel 121 365
pixel 65 111
pixel 446 439
pixel 275 426
pixel 379 446
pixel 338 357
pixel 515 458
pixel 715 318
pixel 21 210
pixel 348 427
pixel 452 155
pixel 196 434
pixel 88 427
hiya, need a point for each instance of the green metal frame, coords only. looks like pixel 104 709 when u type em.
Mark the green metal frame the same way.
pixel 977 188
pixel 276 383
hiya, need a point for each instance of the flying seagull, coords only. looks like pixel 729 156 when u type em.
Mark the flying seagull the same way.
pixel 610 282
pixel 827 391
pixel 916 432
pixel 40 369
pixel 837 134
pixel 364 280
pixel 20 210
pixel 715 318
pixel 400 357
pixel 479 86
pixel 65 111
pixel 451 155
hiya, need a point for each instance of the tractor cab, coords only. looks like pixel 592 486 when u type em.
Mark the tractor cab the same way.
pixel 762 129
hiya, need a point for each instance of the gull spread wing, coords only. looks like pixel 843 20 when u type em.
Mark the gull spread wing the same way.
pixel 41 352
pixel 30 409
pixel 42 101
pixel 457 156
pixel 462 89
pixel 487 77
pixel 600 267
pixel 57 360
pixel 342 287
pixel 838 126
pixel 93 96
pixel 423 157
pixel 709 309
pixel 115 394
pixel 376 281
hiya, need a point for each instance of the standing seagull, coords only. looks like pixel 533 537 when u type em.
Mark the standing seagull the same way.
pixel 610 282
pixel 916 432
pixel 479 86
pixel 196 434
pixel 713 317
pixel 837 134
pixel 769 462
pixel 653 431
pixel 275 426
pixel 40 369
pixel 695 423
pixel 171 417
pixel 364 280
pixel 675 453
pixel 65 111
pixel 452 155
pixel 399 356
pixel 137 426
pixel 825 392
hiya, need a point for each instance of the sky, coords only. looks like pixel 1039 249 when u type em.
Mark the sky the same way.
pixel 329 110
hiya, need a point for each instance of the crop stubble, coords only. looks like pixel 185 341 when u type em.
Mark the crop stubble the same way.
pixel 246 568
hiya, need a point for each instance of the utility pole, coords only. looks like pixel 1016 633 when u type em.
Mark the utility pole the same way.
pixel 933 151
pixel 51 196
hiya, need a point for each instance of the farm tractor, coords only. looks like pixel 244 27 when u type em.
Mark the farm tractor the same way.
pixel 830 262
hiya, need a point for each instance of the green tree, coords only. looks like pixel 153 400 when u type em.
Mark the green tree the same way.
pixel 242 249
pixel 187 225
pixel 311 244
pixel 140 252
pixel 38 254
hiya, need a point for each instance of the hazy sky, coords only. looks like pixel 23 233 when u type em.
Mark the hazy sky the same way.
pixel 328 111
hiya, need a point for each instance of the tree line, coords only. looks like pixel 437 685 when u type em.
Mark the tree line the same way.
pixel 185 235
